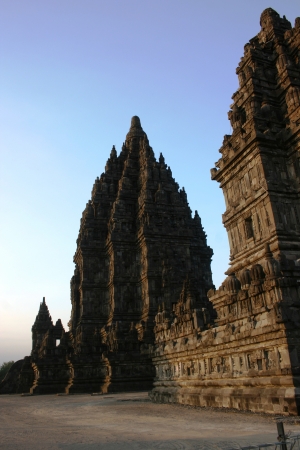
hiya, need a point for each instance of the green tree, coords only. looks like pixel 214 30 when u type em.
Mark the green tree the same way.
pixel 4 368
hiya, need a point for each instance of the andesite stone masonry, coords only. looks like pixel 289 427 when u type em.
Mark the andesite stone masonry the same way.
pixel 145 313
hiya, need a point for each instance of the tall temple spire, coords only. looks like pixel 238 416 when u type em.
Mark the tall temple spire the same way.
pixel 137 241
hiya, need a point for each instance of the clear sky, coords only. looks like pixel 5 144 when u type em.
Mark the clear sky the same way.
pixel 72 74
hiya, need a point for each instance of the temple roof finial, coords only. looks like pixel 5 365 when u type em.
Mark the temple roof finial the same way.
pixel 135 122
pixel 136 129
pixel 268 12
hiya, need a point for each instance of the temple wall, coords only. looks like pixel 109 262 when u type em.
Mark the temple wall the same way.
pixel 244 365
pixel 246 358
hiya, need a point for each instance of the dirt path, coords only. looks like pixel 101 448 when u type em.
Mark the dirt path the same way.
pixel 125 422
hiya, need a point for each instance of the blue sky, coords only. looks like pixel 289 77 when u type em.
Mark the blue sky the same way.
pixel 72 74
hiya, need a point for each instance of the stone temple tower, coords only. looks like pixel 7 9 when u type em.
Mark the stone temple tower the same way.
pixel 137 242
pixel 137 246
pixel 248 357
pixel 138 249
pixel 259 170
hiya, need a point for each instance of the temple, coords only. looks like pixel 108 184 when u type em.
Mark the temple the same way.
pixel 248 357
pixel 138 244
pixel 145 313
pixel 139 248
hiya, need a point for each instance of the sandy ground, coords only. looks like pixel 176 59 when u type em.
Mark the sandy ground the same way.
pixel 125 422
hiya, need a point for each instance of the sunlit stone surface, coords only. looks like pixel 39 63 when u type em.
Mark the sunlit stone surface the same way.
pixel 248 357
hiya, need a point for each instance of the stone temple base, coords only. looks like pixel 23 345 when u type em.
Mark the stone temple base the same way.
pixel 133 372
pixel 268 399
